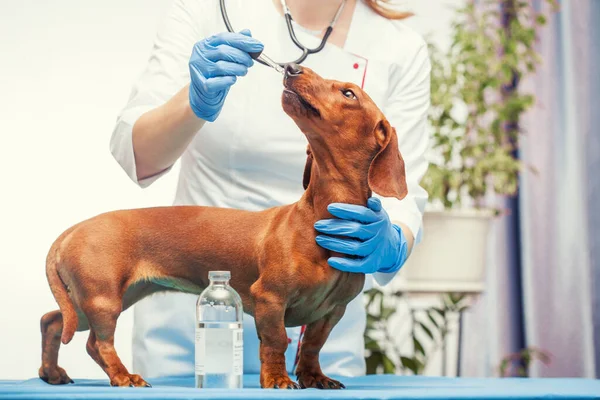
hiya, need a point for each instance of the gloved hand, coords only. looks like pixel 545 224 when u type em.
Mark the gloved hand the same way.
pixel 381 245
pixel 215 64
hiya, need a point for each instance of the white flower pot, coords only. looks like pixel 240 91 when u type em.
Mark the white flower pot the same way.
pixel 452 255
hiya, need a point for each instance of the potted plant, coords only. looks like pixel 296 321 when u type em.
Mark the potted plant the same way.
pixel 428 330
pixel 476 105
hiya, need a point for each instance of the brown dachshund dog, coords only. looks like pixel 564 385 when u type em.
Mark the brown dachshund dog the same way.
pixel 102 266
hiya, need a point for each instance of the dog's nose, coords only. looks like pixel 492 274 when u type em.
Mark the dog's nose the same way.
pixel 293 69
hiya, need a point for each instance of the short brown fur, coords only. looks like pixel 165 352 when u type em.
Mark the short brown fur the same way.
pixel 101 266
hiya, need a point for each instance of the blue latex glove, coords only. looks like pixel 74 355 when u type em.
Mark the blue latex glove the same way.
pixel 215 64
pixel 380 245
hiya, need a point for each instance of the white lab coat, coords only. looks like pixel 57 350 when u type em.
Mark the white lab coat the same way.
pixel 252 157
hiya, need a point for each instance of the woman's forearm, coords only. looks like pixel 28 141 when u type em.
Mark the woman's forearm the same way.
pixel 408 235
pixel 161 135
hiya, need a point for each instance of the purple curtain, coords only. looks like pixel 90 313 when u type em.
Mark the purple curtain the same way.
pixel 543 270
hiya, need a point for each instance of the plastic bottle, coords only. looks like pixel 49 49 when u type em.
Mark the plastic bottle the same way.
pixel 219 335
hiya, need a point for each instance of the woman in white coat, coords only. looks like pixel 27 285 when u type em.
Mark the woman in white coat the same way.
pixel 201 99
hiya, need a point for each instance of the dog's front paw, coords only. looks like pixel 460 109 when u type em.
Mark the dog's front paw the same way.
pixel 271 381
pixel 319 381
pixel 131 380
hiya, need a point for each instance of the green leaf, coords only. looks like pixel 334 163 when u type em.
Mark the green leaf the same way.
pixel 540 19
pixel 426 330
pixel 372 344
pixel 371 321
pixel 432 319
pixel 387 312
pixel 373 362
pixel 418 346
pixel 388 365
pixel 372 295
pixel 411 364
pixel 503 368
pixel 457 297
pixel 448 302
pixel 439 311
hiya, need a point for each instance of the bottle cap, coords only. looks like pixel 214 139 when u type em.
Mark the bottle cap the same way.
pixel 219 275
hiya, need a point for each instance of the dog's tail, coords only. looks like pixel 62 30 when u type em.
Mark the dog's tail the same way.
pixel 59 290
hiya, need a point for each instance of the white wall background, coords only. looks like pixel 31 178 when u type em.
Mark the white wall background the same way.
pixel 66 69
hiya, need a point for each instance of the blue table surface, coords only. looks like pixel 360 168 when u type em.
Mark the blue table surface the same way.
pixel 364 387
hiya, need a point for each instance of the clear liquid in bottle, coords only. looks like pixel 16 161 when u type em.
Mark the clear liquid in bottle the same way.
pixel 219 335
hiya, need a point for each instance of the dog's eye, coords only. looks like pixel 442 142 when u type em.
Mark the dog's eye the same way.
pixel 349 94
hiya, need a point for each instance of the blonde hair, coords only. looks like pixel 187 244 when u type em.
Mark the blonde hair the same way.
pixel 381 8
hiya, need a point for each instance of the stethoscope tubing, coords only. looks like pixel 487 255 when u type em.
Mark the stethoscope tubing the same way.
pixel 288 19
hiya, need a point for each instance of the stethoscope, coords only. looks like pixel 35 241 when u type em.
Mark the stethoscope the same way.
pixel 288 18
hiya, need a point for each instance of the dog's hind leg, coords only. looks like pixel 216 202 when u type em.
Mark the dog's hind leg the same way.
pixel 308 371
pixel 92 347
pixel 102 314
pixel 51 326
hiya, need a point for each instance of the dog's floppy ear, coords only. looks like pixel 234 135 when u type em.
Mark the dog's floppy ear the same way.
pixel 307 167
pixel 387 176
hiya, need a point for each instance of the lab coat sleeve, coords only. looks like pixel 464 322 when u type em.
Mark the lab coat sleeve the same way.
pixel 407 110
pixel 166 73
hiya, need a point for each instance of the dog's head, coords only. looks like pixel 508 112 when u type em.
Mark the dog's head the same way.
pixel 345 129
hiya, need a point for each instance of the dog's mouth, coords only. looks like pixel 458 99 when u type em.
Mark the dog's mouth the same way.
pixel 305 104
